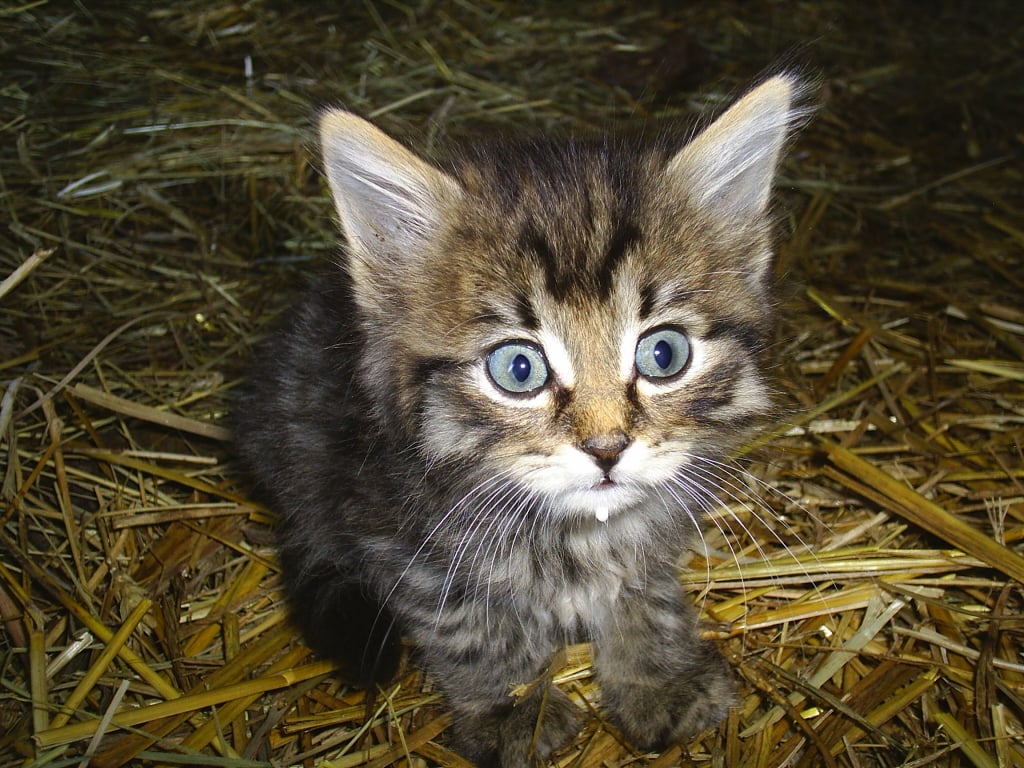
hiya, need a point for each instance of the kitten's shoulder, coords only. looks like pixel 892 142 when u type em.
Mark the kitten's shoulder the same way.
pixel 317 330
pixel 302 381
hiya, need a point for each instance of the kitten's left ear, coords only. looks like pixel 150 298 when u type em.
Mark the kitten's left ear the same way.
pixel 389 201
pixel 728 169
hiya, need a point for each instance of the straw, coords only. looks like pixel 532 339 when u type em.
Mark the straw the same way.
pixel 162 202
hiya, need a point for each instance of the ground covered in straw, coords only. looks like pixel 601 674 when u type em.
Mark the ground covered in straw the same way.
pixel 159 197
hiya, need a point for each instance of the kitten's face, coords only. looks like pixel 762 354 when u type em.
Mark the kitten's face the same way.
pixel 594 398
pixel 580 322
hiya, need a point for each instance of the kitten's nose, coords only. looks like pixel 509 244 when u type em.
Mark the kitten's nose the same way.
pixel 606 449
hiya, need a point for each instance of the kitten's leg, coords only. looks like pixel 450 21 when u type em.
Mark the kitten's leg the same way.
pixel 659 681
pixel 491 727
pixel 340 622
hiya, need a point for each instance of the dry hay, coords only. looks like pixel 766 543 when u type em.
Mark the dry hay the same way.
pixel 159 199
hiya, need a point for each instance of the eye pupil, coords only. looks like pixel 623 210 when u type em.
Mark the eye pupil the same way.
pixel 663 354
pixel 520 368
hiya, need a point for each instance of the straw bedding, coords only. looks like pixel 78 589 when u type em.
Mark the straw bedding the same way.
pixel 159 195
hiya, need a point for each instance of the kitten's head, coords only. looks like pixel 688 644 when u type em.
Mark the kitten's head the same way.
pixel 580 319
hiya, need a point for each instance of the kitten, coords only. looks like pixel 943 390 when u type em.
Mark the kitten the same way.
pixel 492 429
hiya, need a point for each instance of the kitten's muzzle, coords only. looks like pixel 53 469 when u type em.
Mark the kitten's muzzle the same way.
pixel 606 449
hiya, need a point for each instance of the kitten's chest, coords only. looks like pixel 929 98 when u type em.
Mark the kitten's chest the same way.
pixel 580 607
pixel 576 585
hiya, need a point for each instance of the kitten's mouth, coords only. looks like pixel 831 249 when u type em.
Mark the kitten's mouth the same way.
pixel 602 500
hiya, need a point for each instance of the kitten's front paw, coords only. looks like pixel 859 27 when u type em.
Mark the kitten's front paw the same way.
pixel 655 714
pixel 503 737
pixel 559 722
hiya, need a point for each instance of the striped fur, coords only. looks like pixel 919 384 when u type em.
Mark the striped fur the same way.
pixel 419 497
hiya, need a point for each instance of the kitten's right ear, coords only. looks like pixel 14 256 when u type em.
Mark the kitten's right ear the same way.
pixel 389 201
pixel 728 168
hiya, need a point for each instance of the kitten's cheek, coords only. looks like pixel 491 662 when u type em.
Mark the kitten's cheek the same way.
pixel 444 434
pixel 644 466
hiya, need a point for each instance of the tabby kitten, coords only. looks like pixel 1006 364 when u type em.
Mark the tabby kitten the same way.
pixel 492 428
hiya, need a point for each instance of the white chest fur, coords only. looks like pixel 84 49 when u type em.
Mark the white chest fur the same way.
pixel 576 586
pixel 589 604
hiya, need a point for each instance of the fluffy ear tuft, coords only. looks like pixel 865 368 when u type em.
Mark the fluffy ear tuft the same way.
pixel 728 168
pixel 389 201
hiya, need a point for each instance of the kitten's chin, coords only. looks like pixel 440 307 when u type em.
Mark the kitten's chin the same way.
pixel 601 501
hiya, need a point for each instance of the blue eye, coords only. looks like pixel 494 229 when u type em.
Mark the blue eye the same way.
pixel 662 353
pixel 517 367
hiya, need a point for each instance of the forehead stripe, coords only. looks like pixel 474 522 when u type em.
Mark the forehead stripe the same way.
pixel 624 238
pixel 533 243
pixel 749 335
pixel 527 315
pixel 648 301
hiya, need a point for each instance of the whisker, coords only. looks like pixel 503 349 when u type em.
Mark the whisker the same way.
pixel 492 506
pixel 753 503
pixel 693 495
pixel 514 522
pixel 432 537
pixel 727 480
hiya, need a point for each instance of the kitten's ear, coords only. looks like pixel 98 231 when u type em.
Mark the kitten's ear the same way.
pixel 389 201
pixel 728 168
